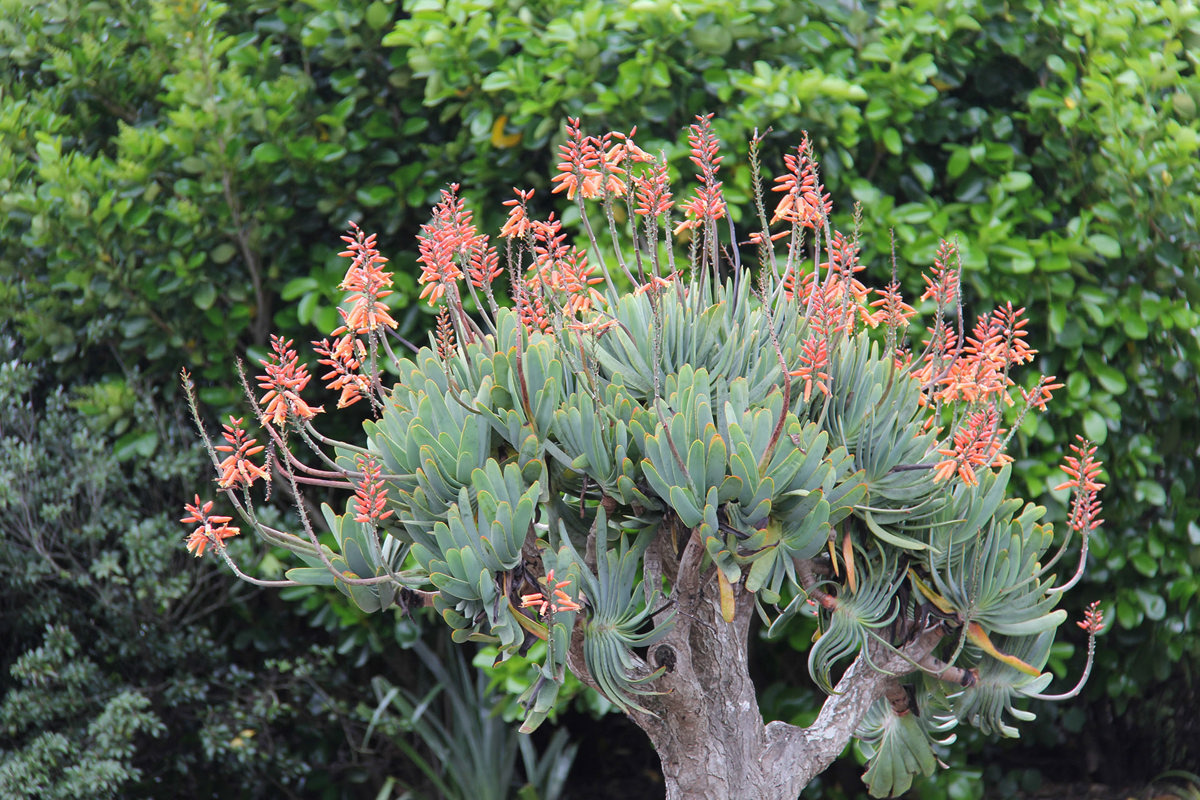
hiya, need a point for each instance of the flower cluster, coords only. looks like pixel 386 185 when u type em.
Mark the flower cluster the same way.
pixel 445 244
pixel 893 312
pixel 517 225
pixel 805 202
pixel 708 203
pixel 1083 469
pixel 942 286
pixel 562 269
pixel 237 468
pixel 370 498
pixel 344 362
pixel 814 358
pixel 552 598
pixel 447 347
pixel 284 379
pixel 977 443
pixel 595 166
pixel 1093 618
pixel 367 283
pixel 1039 395
pixel 214 529
pixel 653 191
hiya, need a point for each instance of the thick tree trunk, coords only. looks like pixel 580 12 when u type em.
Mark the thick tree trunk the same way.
pixel 705 723
pixel 706 726
pixel 704 720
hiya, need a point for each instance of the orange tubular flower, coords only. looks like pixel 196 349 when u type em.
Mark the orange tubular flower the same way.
pixel 552 599
pixel 1082 467
pixel 447 348
pixel 549 246
pixel 657 284
pixel 1010 325
pixel 532 310
pixel 806 202
pixel 625 148
pixel 485 265
pixel 517 225
pixel 576 278
pixel 653 192
pixel 444 243
pixel 976 444
pixel 706 148
pixel 368 284
pixel 1083 470
pixel 578 169
pixel 845 294
pixel 594 327
pixel 1039 395
pixel 798 287
pixel 344 375
pixel 814 356
pixel 1093 618
pixel 370 498
pixel 893 311
pixel 213 528
pixel 707 204
pixel 237 468
pixel 285 378
pixel 943 286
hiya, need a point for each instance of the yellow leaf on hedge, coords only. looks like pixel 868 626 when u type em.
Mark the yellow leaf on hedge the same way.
pixel 500 138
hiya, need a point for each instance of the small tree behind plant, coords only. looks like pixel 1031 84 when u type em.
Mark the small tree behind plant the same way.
pixel 653 443
pixel 473 751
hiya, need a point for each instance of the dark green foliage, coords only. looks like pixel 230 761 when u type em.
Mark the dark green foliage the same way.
pixel 471 749
pixel 126 668
pixel 90 761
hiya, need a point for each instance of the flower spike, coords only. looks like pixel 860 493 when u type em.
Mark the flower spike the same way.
pixel 213 528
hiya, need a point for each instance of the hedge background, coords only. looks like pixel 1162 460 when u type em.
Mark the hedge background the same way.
pixel 173 178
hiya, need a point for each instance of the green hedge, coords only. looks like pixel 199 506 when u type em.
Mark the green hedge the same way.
pixel 168 169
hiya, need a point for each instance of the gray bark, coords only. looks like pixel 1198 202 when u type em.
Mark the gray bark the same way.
pixel 704 721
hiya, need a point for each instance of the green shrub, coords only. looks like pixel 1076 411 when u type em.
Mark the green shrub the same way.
pixel 629 474
pixel 160 158
pixel 124 669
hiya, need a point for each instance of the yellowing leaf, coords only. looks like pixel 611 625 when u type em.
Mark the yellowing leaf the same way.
pixel 942 604
pixel 848 555
pixel 532 626
pixel 726 596
pixel 979 638
pixel 500 138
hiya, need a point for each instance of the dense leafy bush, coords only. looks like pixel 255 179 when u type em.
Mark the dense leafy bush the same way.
pixel 125 669
pixel 162 162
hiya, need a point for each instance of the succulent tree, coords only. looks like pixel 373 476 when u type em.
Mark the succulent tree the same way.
pixel 645 445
